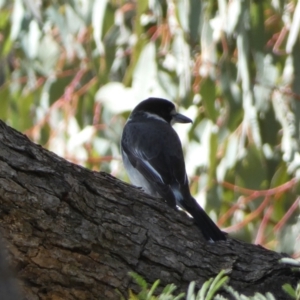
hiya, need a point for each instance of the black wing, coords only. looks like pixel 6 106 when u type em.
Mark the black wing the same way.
pixel 155 150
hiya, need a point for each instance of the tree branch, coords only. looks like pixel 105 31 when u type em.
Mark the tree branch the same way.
pixel 75 234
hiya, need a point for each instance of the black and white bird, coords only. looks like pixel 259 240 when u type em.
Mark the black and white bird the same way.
pixel 153 158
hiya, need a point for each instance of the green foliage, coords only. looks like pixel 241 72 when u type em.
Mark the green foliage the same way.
pixel 208 291
pixel 147 294
pixel 209 288
pixel 295 264
pixel 290 291
pixel 70 72
pixel 237 296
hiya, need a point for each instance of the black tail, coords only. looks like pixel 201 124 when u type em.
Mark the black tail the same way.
pixel 208 228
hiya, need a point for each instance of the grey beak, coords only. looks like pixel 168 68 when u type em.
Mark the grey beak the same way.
pixel 178 118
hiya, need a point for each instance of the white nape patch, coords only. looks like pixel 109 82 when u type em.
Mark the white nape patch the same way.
pixel 155 116
pixel 173 113
pixel 129 119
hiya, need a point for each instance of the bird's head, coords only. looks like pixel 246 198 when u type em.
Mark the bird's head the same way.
pixel 160 109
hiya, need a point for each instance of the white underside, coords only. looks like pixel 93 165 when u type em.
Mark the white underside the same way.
pixel 136 177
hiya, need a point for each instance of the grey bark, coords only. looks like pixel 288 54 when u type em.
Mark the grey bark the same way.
pixel 9 289
pixel 75 234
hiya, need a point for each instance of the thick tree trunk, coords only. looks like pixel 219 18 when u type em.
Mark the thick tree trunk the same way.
pixel 75 234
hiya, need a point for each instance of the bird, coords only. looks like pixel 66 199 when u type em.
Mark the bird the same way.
pixel 153 158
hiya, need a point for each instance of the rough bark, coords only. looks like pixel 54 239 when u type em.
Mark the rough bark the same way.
pixel 75 234
pixel 8 285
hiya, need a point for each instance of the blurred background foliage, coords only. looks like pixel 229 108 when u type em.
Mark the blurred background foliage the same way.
pixel 71 71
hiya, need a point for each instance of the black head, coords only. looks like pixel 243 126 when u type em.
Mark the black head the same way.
pixel 162 108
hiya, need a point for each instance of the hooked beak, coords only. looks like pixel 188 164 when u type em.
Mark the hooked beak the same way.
pixel 178 118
